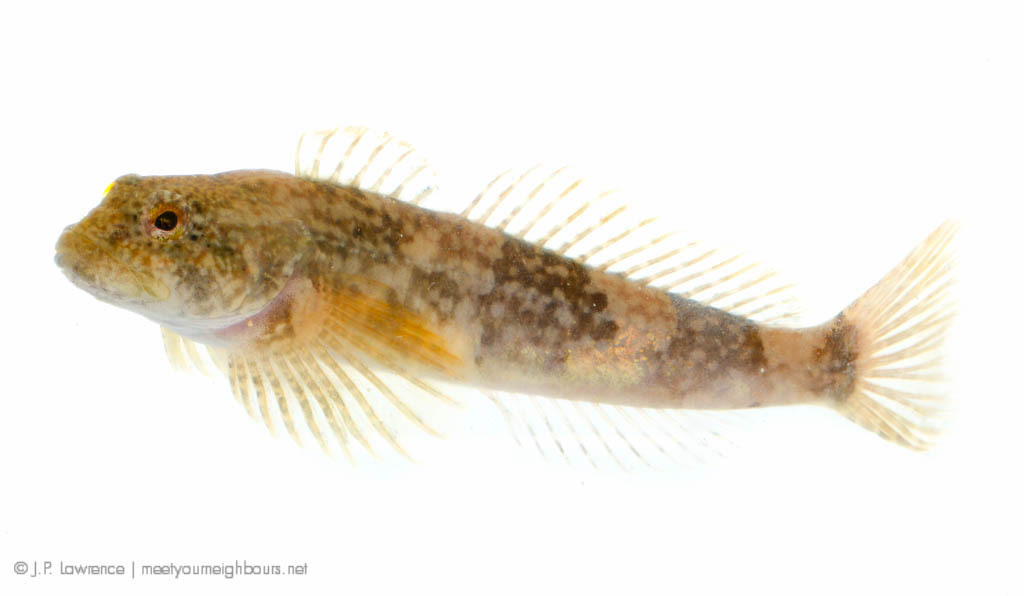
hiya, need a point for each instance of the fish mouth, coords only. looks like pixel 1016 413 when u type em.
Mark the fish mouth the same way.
pixel 92 267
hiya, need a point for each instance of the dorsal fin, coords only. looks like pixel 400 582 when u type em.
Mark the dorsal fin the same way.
pixel 558 208
pixel 369 159
pixel 561 210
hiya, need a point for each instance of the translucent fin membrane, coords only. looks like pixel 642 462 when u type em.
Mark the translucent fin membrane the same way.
pixel 185 354
pixel 900 326
pixel 608 438
pixel 564 212
pixel 332 394
pixel 175 350
pixel 372 160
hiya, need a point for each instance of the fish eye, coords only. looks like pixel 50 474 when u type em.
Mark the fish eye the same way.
pixel 165 222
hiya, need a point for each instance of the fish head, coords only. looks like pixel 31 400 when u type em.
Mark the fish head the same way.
pixel 193 253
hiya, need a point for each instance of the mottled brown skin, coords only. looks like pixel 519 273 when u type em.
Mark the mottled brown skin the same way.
pixel 267 258
pixel 231 256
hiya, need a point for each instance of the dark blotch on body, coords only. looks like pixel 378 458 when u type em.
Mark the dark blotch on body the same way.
pixel 438 290
pixel 707 343
pixel 837 356
pixel 532 286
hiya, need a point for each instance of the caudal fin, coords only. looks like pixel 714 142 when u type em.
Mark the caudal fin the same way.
pixel 900 326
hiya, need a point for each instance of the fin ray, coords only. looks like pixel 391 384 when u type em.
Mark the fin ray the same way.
pixel 240 384
pixel 174 349
pixel 277 388
pixel 367 408
pixel 301 394
pixel 336 399
pixel 532 196
pixel 360 153
pixel 320 388
pixel 901 323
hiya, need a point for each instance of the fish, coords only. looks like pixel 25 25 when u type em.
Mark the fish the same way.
pixel 331 294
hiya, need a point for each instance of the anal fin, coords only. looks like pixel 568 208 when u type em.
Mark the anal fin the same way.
pixel 607 438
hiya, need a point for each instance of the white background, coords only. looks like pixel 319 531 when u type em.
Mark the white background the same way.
pixel 828 138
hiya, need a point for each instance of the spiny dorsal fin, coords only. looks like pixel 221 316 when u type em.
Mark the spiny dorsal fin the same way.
pixel 369 159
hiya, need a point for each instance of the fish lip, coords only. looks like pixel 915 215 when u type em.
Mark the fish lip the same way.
pixel 151 286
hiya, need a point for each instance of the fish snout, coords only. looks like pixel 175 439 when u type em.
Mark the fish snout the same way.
pixel 68 245
pixel 96 269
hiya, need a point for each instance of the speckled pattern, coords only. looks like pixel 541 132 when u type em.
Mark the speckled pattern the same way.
pixel 264 258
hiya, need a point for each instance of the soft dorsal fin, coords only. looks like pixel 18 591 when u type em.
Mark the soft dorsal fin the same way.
pixel 565 212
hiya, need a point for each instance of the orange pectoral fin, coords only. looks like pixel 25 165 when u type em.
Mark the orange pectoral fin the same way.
pixel 339 337
pixel 389 332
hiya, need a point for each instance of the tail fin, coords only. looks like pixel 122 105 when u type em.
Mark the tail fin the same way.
pixel 900 326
